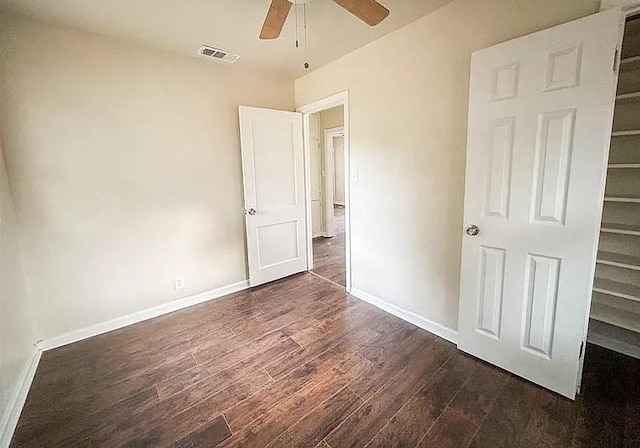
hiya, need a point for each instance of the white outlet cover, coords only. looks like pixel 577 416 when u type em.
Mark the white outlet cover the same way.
pixel 178 282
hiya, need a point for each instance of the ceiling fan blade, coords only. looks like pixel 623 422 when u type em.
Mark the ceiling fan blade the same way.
pixel 274 22
pixel 369 11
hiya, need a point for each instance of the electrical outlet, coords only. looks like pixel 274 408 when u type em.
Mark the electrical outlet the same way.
pixel 179 282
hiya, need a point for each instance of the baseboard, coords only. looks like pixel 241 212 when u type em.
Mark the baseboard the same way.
pixel 447 333
pixel 19 397
pixel 139 316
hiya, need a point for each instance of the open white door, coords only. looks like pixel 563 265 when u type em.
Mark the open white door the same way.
pixel 540 118
pixel 274 193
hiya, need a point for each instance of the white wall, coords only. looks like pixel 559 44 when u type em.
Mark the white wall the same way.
pixel 17 331
pixel 125 166
pixel 332 118
pixel 408 96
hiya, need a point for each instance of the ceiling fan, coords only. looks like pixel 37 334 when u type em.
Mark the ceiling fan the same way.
pixel 369 11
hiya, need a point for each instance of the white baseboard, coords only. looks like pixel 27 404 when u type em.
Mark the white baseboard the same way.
pixel 16 403
pixel 139 316
pixel 447 333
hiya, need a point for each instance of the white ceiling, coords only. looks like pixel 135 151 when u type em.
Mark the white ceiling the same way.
pixel 183 25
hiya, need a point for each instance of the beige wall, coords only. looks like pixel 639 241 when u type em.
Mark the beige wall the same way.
pixel 125 164
pixel 17 332
pixel 332 118
pixel 408 97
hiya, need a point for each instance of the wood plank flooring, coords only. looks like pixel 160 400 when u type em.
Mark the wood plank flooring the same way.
pixel 299 363
pixel 329 253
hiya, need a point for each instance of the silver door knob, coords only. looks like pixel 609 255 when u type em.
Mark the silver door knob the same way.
pixel 472 230
pixel 251 211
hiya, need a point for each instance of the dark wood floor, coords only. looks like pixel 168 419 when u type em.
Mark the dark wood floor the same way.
pixel 329 253
pixel 299 363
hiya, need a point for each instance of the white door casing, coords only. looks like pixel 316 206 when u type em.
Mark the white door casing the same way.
pixel 330 179
pixel 338 149
pixel 540 119
pixel 274 193
pixel 317 177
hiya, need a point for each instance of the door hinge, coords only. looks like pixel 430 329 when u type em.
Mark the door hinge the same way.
pixel 581 350
pixel 615 60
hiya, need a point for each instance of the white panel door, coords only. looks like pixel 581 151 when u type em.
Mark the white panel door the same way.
pixel 273 171
pixel 540 118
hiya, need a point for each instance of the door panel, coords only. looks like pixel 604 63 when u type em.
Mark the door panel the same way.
pixel 491 291
pixel 554 145
pixel 541 286
pixel 540 115
pixel 273 172
pixel 498 182
pixel 274 164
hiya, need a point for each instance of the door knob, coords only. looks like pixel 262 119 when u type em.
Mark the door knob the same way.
pixel 251 211
pixel 473 230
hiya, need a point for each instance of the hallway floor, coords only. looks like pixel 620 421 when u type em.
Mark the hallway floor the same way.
pixel 329 253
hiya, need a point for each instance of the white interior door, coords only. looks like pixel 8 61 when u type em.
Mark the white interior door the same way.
pixel 274 193
pixel 540 118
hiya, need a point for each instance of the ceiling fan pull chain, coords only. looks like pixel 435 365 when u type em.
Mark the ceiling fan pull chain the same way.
pixel 306 47
pixel 295 12
pixel 304 18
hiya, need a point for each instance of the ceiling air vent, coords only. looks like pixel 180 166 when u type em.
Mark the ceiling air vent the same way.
pixel 216 53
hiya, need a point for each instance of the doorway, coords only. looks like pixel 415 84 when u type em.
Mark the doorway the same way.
pixel 327 167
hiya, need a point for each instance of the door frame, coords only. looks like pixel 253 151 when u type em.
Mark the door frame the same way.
pixel 338 99
pixel 329 178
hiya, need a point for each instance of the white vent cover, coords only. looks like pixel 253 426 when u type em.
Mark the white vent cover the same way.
pixel 216 53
